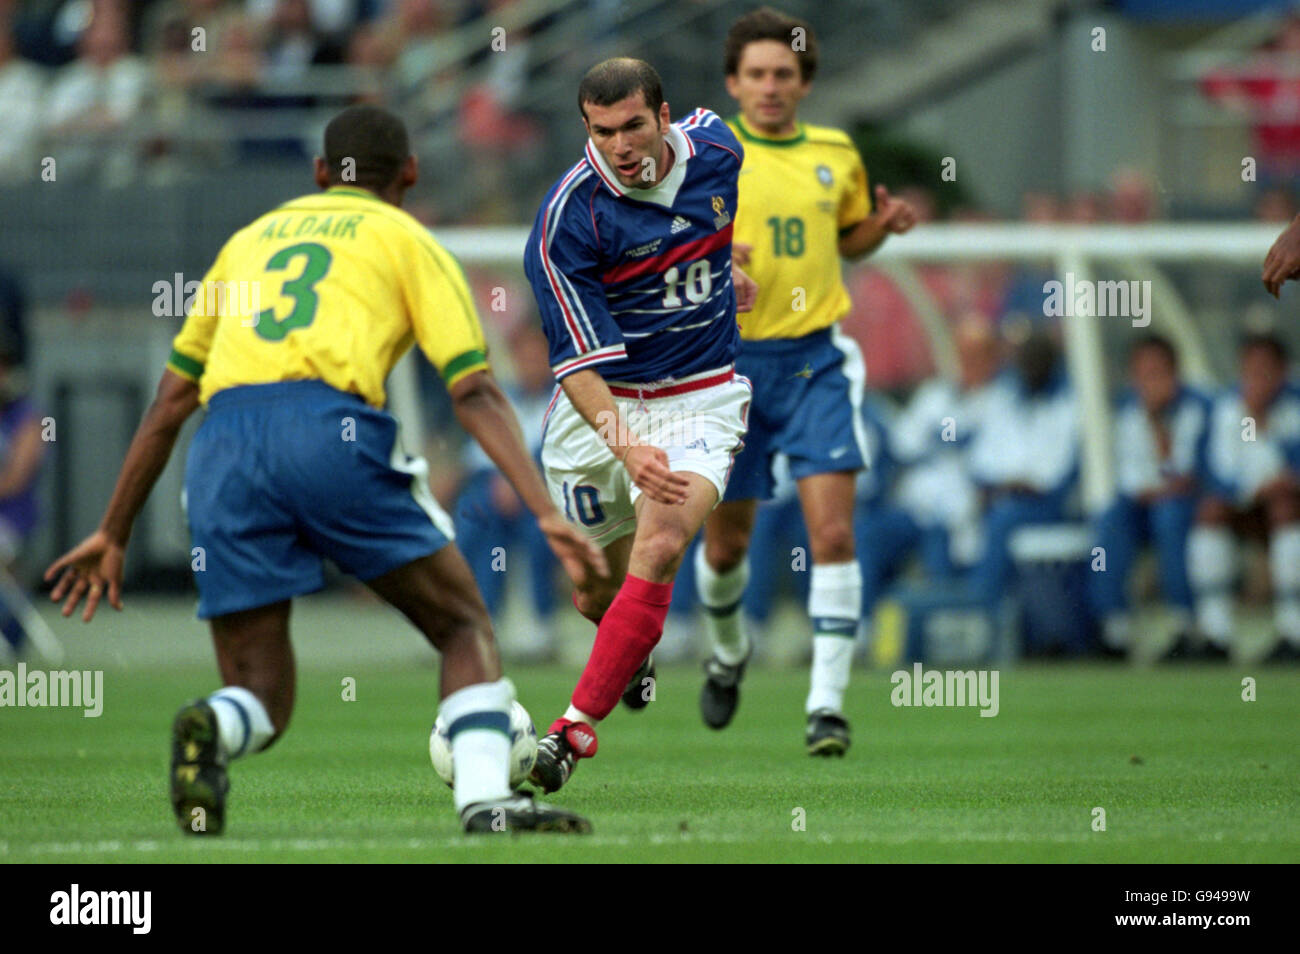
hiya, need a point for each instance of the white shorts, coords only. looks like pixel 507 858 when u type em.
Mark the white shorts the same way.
pixel 698 424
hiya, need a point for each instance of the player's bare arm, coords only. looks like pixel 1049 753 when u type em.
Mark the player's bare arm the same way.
pixel 485 413
pixel 746 287
pixel 893 216
pixel 96 562
pixel 1283 261
pixel 646 465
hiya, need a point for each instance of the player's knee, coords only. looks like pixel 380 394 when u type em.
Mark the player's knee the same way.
pixel 832 542
pixel 726 552
pixel 459 633
pixel 663 548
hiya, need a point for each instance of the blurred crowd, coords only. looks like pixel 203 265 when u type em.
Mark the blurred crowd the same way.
pixel 118 90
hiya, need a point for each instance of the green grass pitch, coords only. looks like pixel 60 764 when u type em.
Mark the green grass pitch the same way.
pixel 1184 768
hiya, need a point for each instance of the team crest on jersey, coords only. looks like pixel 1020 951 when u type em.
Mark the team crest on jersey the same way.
pixel 824 176
pixel 720 214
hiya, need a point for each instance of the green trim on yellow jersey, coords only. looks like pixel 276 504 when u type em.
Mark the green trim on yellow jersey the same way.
pixel 749 135
pixel 185 366
pixel 353 190
pixel 458 367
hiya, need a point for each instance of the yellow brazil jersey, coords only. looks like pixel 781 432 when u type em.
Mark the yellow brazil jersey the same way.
pixel 796 195
pixel 332 287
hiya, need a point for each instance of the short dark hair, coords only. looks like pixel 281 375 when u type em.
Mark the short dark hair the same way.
pixel 610 81
pixel 1266 340
pixel 768 24
pixel 376 142
pixel 1159 343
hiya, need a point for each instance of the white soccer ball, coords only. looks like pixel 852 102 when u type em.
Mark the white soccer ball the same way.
pixel 523 747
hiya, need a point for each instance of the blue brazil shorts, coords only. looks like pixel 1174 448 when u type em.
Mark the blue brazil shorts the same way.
pixel 807 405
pixel 282 475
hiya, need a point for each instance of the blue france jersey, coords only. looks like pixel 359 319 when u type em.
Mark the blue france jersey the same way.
pixel 636 283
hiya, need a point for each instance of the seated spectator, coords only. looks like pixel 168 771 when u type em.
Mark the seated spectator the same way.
pixel 21 453
pixel 21 90
pixel 1252 475
pixel 1025 458
pixel 932 439
pixel 1160 433
pixel 332 18
pixel 92 101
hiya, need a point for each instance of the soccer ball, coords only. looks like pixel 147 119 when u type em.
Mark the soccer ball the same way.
pixel 523 747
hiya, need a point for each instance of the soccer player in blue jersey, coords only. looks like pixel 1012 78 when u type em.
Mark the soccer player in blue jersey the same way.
pixel 804 205
pixel 297 460
pixel 630 261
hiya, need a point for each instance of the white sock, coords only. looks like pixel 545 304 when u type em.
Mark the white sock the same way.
pixel 835 605
pixel 574 714
pixel 720 595
pixel 243 726
pixel 1284 562
pixel 1211 567
pixel 478 722
pixel 1117 630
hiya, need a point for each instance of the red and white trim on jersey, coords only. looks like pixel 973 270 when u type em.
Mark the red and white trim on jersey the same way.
pixel 589 359
pixel 701 117
pixel 662 389
pixel 575 315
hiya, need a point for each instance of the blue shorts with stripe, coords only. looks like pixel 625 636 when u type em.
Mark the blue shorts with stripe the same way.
pixel 280 476
pixel 807 405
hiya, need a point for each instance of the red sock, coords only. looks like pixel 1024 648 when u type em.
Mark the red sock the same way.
pixel 630 628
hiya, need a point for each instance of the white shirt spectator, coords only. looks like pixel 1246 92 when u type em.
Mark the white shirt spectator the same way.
pixel 22 87
pixel 327 16
pixel 1240 464
pixel 1138 467
pixel 1028 439
pixel 932 439
pixel 107 98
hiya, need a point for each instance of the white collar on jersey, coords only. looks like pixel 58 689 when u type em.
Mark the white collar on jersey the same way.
pixel 665 192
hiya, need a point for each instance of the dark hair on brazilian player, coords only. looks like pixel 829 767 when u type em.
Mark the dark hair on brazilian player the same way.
pixel 768 24
pixel 1157 342
pixel 367 147
pixel 612 81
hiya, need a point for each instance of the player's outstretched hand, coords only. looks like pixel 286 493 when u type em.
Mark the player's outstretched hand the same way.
pixel 93 565
pixel 579 556
pixel 740 253
pixel 648 467
pixel 746 288
pixel 1283 261
pixel 893 215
